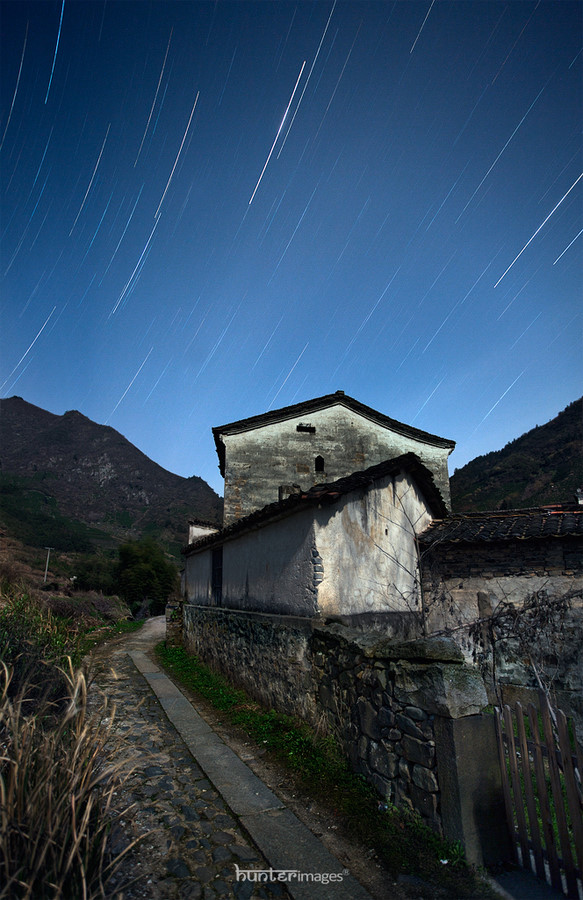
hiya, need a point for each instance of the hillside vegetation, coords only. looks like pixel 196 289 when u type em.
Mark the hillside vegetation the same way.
pixel 543 466
pixel 77 485
pixel 60 768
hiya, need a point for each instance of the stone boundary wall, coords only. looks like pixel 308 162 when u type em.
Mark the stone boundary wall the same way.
pixel 174 623
pixel 267 655
pixel 408 714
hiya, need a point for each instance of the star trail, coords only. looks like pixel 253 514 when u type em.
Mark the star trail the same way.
pixel 210 209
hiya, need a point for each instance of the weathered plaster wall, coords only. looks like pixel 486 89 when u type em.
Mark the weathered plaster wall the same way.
pixel 463 582
pixel 407 715
pixel 367 545
pixel 196 578
pixel 258 462
pixel 355 556
pixel 273 568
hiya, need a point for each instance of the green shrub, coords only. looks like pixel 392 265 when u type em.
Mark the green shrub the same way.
pixel 33 643
pixel 145 578
pixel 97 572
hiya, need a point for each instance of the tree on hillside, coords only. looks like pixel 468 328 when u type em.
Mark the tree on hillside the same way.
pixel 97 572
pixel 145 578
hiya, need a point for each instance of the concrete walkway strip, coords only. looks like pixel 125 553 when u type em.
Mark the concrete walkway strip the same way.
pixel 289 846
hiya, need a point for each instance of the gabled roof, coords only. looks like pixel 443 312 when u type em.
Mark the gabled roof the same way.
pixel 318 403
pixel 322 494
pixel 507 525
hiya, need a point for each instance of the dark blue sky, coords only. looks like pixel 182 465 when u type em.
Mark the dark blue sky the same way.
pixel 176 255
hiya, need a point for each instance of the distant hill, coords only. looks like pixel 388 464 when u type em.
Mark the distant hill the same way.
pixel 543 466
pixel 66 478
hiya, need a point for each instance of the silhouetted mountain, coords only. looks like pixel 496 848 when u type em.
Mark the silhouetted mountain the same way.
pixel 68 467
pixel 543 466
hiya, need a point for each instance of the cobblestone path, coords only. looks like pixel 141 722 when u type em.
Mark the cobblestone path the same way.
pixel 192 842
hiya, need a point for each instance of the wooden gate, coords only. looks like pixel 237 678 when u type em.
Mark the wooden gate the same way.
pixel 541 775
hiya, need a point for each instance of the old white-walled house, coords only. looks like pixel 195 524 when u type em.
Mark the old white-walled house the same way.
pixel 333 509
pixel 339 553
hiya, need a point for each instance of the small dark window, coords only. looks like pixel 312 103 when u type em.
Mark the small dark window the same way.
pixel 217 575
pixel 304 426
pixel 319 464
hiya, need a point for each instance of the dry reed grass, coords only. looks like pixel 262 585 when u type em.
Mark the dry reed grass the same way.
pixel 59 772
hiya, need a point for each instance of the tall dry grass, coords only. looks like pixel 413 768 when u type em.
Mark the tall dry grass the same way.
pixel 59 771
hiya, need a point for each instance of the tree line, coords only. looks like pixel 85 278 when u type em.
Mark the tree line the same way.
pixel 140 573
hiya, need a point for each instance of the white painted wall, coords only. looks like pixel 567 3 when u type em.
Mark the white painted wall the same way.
pixel 270 568
pixel 197 578
pixel 197 531
pixel 365 544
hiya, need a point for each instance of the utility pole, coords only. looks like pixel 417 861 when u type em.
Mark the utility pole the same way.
pixel 48 549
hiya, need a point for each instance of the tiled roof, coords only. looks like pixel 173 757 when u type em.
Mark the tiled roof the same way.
pixel 507 525
pixel 330 493
pixel 203 523
pixel 318 403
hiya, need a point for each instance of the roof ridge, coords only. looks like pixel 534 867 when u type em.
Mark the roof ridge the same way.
pixel 339 397
pixel 315 405
pixel 551 509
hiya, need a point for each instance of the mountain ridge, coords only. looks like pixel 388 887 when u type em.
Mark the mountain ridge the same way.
pixel 538 468
pixel 97 476
pixel 67 465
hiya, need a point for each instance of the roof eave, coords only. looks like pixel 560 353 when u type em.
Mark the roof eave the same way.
pixel 330 493
pixel 318 403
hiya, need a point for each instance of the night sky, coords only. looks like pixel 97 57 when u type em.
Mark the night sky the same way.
pixel 210 210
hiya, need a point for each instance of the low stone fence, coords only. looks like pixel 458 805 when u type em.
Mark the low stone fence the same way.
pixel 408 715
pixel 174 624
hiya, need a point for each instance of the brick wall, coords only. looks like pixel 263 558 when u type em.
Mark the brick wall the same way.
pixel 549 557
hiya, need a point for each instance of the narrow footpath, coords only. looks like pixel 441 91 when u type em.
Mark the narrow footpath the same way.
pixel 208 825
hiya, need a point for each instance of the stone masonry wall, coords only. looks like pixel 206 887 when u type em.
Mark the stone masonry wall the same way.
pixel 267 655
pixel 395 708
pixel 386 738
pixel 174 623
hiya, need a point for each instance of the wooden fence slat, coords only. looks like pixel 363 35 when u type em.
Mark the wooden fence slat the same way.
pixel 529 794
pixel 543 774
pixel 542 790
pixel 569 868
pixel 573 795
pixel 516 790
pixel 505 785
